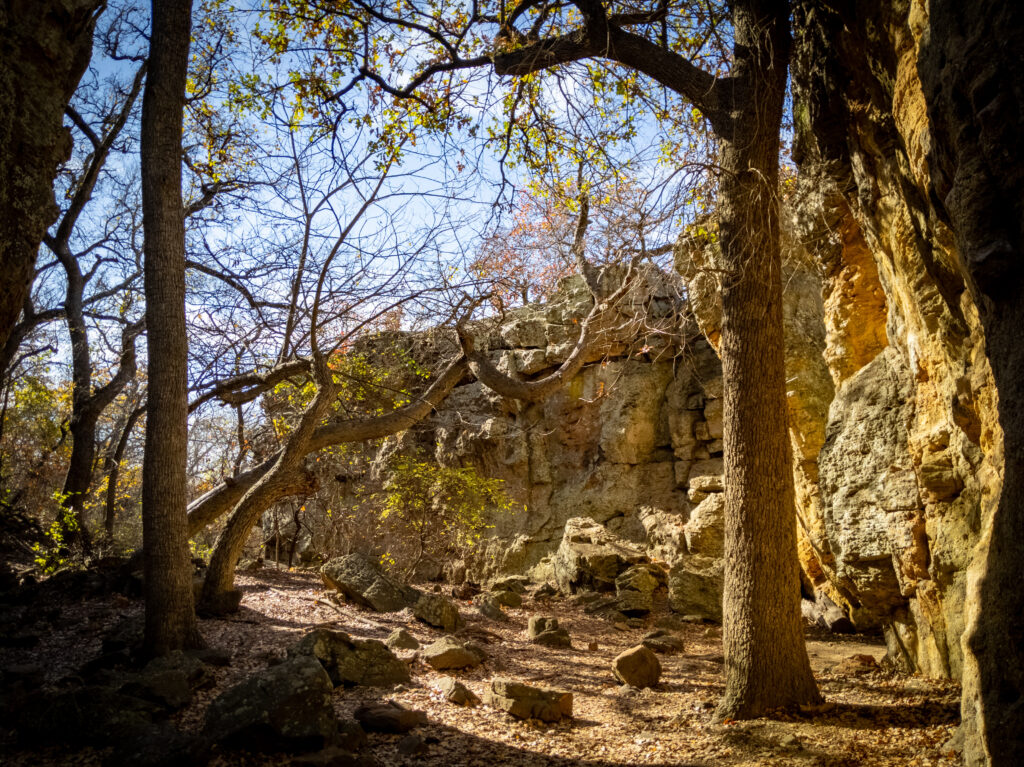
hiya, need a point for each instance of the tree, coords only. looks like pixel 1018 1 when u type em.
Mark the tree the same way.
pixel 45 49
pixel 170 615
pixel 766 661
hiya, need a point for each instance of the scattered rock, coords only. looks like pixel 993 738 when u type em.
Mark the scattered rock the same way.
pixel 489 607
pixel 456 692
pixel 412 745
pixel 90 715
pixel 352 661
pixel 400 639
pixel 538 624
pixel 526 702
pixel 465 591
pixel 447 653
pixel 361 580
pixel 545 591
pixel 591 557
pixel 351 735
pixel 514 583
pixel 438 611
pixel 695 587
pixel 284 707
pixel 507 598
pixel 637 667
pixel 389 717
pixel 159 745
pixel 663 642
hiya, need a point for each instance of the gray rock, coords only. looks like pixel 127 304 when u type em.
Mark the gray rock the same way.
pixel 447 653
pixel 507 598
pixel 400 639
pixel 89 715
pixel 663 642
pixel 456 692
pixel 590 557
pixel 489 607
pixel 361 580
pixel 352 661
pixel 553 638
pixel 438 611
pixel 525 702
pixel 389 717
pixel 637 667
pixel 705 529
pixel 695 587
pixel 514 583
pixel 538 624
pixel 287 706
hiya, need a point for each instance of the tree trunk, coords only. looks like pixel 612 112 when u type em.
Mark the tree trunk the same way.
pixel 170 615
pixel 113 469
pixel 765 656
pixel 44 49
pixel 219 594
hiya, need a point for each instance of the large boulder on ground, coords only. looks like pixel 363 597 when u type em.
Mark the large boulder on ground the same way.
pixel 400 639
pixel 447 653
pixel 526 702
pixel 438 611
pixel 591 557
pixel 361 579
pixel 91 715
pixel 456 692
pixel 637 667
pixel 695 587
pixel 545 631
pixel 352 661
pixel 705 529
pixel 389 717
pixel 634 588
pixel 489 607
pixel 662 641
pixel 285 707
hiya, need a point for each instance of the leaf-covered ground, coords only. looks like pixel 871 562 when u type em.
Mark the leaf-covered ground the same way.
pixel 872 716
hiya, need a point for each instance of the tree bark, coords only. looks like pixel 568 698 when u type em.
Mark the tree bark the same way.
pixel 765 657
pixel 170 615
pixel 44 49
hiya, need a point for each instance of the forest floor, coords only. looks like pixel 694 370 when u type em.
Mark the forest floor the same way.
pixel 872 716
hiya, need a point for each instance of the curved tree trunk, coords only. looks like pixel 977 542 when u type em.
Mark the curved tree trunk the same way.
pixel 765 657
pixel 170 615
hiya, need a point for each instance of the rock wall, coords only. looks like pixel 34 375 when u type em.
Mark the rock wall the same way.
pixel 911 457
pixel 634 442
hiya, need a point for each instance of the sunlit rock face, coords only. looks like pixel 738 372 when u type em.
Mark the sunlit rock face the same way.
pixel 910 462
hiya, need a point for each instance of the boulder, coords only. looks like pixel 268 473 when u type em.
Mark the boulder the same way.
pixel 400 639
pixel 389 717
pixel 285 707
pixel 545 631
pixel 525 702
pixel 489 607
pixel 438 611
pixel 635 587
pixel 707 476
pixel 159 745
pixel 637 667
pixel 705 529
pixel 514 583
pixel 695 587
pixel 447 653
pixel 456 692
pixel 507 598
pixel 352 661
pixel 90 715
pixel 591 557
pixel 663 642
pixel 361 580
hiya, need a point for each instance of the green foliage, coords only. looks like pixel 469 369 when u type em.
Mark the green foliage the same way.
pixel 54 555
pixel 424 509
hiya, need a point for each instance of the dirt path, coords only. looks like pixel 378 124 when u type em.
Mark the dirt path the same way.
pixel 872 717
